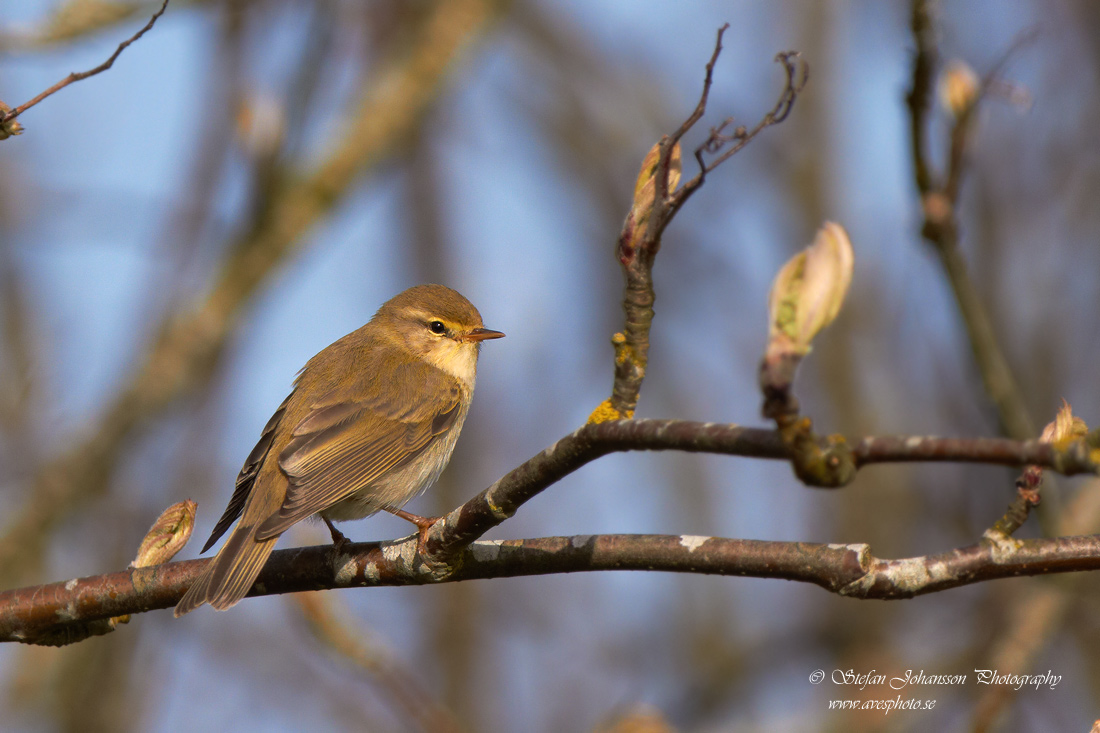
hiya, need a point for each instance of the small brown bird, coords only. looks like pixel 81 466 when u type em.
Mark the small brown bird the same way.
pixel 371 423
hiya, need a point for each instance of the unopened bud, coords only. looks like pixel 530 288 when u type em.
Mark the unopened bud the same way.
pixel 261 125
pixel 1065 429
pixel 645 192
pixel 808 292
pixel 958 88
pixel 646 186
pixel 164 539
pixel 8 127
pixel 167 536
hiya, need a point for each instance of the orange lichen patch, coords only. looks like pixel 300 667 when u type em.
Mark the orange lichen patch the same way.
pixel 604 412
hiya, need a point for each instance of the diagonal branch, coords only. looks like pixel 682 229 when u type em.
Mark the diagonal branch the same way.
pixel 501 500
pixel 76 76
pixel 398 684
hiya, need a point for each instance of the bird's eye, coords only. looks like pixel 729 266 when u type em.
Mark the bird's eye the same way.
pixel 437 327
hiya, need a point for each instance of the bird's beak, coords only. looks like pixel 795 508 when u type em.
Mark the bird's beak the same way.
pixel 482 334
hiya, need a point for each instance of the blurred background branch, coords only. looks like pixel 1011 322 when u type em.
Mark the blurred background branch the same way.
pixel 1031 625
pixel 329 624
pixel 939 203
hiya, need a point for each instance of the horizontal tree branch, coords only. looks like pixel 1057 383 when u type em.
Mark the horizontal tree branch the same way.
pixel 61 612
pixel 58 612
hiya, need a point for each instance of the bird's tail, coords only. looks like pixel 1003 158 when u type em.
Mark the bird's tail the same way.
pixel 229 576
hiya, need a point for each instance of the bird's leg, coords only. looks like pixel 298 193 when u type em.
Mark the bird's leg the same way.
pixel 423 524
pixel 339 541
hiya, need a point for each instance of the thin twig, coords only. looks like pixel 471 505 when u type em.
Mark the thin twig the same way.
pixel 708 78
pixel 1027 496
pixel 78 76
pixel 964 125
pixel 798 75
pixel 919 98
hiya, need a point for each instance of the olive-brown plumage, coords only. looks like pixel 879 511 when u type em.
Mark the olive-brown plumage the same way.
pixel 371 422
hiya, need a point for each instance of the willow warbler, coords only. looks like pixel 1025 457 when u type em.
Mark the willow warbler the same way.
pixel 371 422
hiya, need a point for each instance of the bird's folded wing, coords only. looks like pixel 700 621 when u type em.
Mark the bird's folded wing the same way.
pixel 339 449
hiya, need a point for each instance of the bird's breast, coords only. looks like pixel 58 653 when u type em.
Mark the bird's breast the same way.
pixel 403 483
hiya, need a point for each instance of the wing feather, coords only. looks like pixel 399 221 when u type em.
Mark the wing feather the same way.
pixel 340 449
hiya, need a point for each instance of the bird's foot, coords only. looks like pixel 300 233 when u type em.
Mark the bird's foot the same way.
pixel 340 543
pixel 423 524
